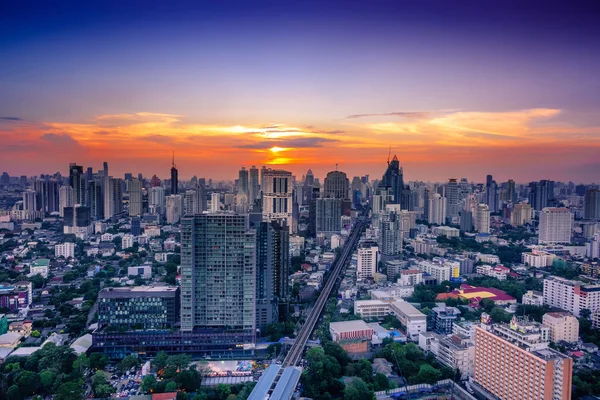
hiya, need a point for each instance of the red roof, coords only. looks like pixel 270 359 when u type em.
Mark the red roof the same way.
pixel 409 271
pixel 164 396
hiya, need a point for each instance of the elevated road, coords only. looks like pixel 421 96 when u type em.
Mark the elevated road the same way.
pixel 295 353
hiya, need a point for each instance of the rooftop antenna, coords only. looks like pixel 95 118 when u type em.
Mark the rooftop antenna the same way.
pixel 336 166
pixel 173 163
pixel 389 155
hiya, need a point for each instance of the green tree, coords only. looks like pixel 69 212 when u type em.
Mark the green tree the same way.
pixel 222 391
pixel 28 383
pixel 188 380
pixel 380 382
pixel 585 313
pixel 160 361
pixel 98 361
pixel 148 383
pixel 104 390
pixel 69 391
pixel 35 333
pixel 47 378
pixel 128 362
pixel 357 390
pixel 428 374
pixel 14 393
pixel 171 387
pixel 81 363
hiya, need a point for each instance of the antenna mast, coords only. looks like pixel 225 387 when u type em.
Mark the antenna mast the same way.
pixel 389 155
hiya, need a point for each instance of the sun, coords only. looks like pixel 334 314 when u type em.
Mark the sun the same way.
pixel 277 149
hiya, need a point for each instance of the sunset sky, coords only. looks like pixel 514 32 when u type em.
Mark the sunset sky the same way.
pixel 456 88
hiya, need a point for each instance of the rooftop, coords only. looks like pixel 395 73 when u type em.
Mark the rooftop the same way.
pixel 348 326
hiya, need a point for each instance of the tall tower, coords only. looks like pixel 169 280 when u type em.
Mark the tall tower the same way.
pixel 254 187
pixel 218 274
pixel 277 196
pixel 76 181
pixel 174 177
pixel 135 197
pixel 336 185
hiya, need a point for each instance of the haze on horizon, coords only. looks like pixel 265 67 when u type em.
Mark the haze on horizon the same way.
pixel 456 88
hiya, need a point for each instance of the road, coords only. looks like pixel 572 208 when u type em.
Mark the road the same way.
pixel 295 353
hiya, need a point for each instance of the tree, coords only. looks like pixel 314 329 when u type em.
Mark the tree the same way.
pixel 47 378
pixel 28 383
pixel 81 363
pixel 14 393
pixel 148 383
pixel 98 361
pixel 128 363
pixel 189 380
pixel 160 361
pixel 222 391
pixel 69 391
pixel 585 313
pixel 335 350
pixel 104 390
pixel 171 387
pixel 357 390
pixel 35 334
pixel 428 374
pixel 380 382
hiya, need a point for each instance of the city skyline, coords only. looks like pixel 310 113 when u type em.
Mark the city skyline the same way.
pixel 507 88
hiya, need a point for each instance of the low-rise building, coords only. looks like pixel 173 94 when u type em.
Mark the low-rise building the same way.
pixel 410 277
pixel 40 266
pixel 145 271
pixel 353 336
pixel 66 250
pixel 455 352
pixel 413 320
pixel 499 272
pixel 372 309
pixel 533 297
pixel 442 317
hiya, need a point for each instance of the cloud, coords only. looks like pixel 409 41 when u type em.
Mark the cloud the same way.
pixel 302 143
pixel 59 139
pixel 411 115
pixel 10 119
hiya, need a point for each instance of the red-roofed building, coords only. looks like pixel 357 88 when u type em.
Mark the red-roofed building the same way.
pixel 164 396
pixel 476 294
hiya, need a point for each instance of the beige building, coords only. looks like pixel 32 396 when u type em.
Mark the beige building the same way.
pixel 563 327
pixel 556 225
pixel 514 363
pixel 521 214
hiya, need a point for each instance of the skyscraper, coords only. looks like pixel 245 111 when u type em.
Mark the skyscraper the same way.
pixel 491 194
pixel 174 177
pixel 452 199
pixel 393 181
pixel 521 214
pixel 277 196
pixel 135 197
pixel 157 200
pixel 76 181
pixel 30 200
pixel 113 196
pixel 65 199
pixel 482 218
pixel 328 215
pixel 174 208
pixel 336 185
pixel 437 209
pixel 218 274
pixel 96 198
pixel 243 182
pixel 253 186
pixel 592 204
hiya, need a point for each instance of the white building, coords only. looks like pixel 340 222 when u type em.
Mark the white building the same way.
pixel 533 298
pixel 127 241
pixel 412 319
pixel 572 296
pixel 445 231
pixel 437 209
pixel 455 352
pixel 368 256
pixel 442 270
pixel 156 200
pixel 499 272
pixel 372 309
pixel 174 208
pixel 536 259
pixel 277 196
pixel 145 271
pixel 65 250
pixel 482 218
pixel 152 231
pixel 556 225
pixel 410 277
pixel 563 327
pixel 65 199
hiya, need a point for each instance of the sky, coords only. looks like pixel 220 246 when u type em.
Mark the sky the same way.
pixel 455 88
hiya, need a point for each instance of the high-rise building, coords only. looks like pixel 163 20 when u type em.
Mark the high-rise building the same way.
pixel 514 362
pixel 113 196
pixel 564 327
pixel 328 215
pixel 77 220
pixel 277 196
pixel 491 194
pixel 272 271
pixel 174 208
pixel 243 187
pixel 65 199
pixel 215 202
pixel 77 182
pixel 157 200
pixel 482 218
pixel 556 225
pixel 521 214
pixel 174 177
pixel 253 185
pixel 452 199
pixel 218 274
pixel 135 197
pixel 540 193
pixel 592 204
pixel 390 233
pixel 572 296
pixel 30 200
pixel 511 194
pixel 96 198
pixel 368 257
pixel 466 221
pixel 336 185
pixel 105 168
pixel 393 182
pixel 437 209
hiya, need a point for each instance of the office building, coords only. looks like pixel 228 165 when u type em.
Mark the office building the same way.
pixel 336 185
pixel 328 216
pixel 77 182
pixel 571 296
pixel 592 204
pixel 393 183
pixel 556 225
pixel 456 352
pixel 533 297
pixel 174 177
pixel 372 309
pixel 272 272
pixel 413 321
pixel 29 197
pixel 452 199
pixel 353 336
pixel 157 200
pixel 139 307
pixel 442 270
pixel 174 208
pixel 243 184
pixel 77 221
pixel 466 221
pixel 482 218
pixel 135 197
pixel 113 197
pixel 65 196
pixel 218 276
pixel 514 362
pixel 564 327
pixel 253 185
pixel 540 193
pixel 437 209
pixel 368 257
pixel 96 198
pixel 277 196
